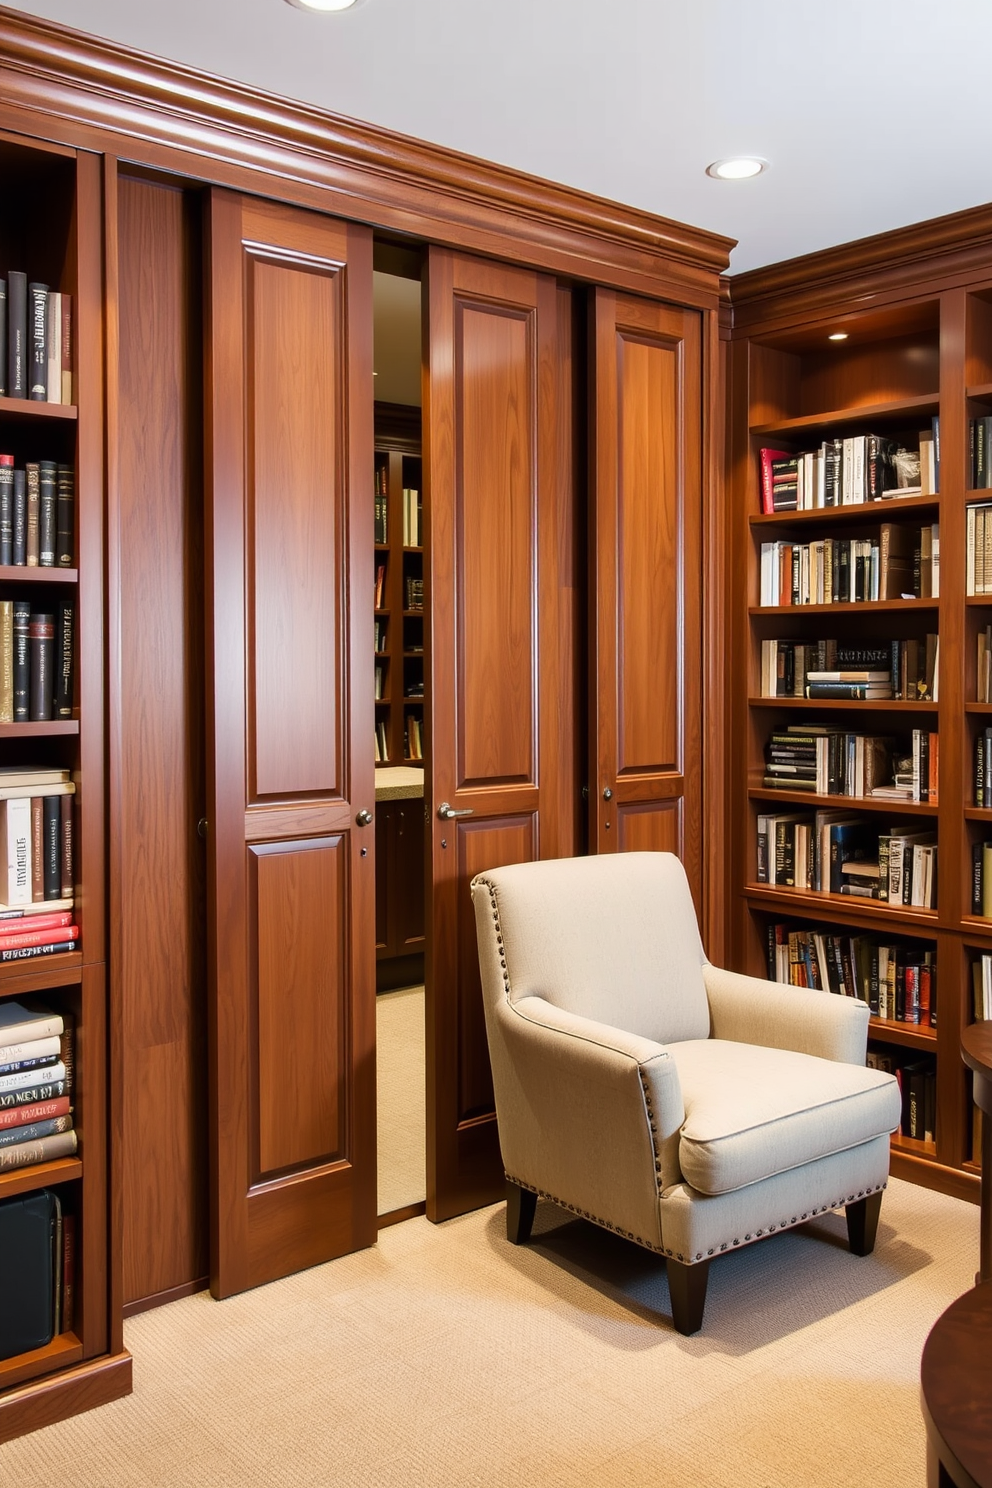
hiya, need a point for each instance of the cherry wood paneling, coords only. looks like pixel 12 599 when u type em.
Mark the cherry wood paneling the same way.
pixel 295 412
pixel 646 615
pixel 162 965
pixel 292 920
pixel 301 998
pixel 502 550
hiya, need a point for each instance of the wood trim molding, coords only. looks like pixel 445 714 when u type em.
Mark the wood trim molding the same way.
pixel 866 273
pixel 81 90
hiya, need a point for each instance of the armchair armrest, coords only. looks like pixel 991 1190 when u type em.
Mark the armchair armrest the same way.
pixel 748 1010
pixel 587 1113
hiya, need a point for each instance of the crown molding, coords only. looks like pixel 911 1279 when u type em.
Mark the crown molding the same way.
pixel 98 94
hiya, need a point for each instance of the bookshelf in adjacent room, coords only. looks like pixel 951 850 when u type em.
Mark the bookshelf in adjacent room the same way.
pixel 861 660
pixel 54 1024
pixel 400 676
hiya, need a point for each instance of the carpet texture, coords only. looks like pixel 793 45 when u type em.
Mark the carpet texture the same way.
pixel 445 1356
pixel 400 1099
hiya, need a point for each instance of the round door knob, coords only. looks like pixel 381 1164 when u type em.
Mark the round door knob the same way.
pixel 364 817
pixel 607 794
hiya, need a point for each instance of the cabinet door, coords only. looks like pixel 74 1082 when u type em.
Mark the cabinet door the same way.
pixel 499 663
pixel 290 728
pixel 645 592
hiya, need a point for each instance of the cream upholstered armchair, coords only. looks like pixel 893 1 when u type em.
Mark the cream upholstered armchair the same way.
pixel 689 1109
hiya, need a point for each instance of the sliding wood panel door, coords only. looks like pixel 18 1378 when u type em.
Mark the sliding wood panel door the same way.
pixel 645 586
pixel 501 601
pixel 291 857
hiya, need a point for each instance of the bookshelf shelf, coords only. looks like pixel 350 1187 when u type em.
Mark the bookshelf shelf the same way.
pixel 64 1349
pixel 848 803
pixel 40 1175
pixel 981 391
pixel 977 813
pixel 908 1034
pixel 25 408
pixel 21 574
pixel 859 607
pixel 888 510
pixel 21 978
pixel 914 1148
pixel 868 705
pixel 842 418
pixel 39 730
pixel 398 470
pixel 869 913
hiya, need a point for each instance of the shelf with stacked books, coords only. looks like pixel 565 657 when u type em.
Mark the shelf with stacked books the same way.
pixel 399 614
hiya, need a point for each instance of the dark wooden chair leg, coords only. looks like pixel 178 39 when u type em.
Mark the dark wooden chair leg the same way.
pixel 687 1289
pixel 521 1204
pixel 862 1223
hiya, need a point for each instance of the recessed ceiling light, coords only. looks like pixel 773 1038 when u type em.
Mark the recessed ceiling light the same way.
pixel 322 4
pixel 741 168
pixel 837 336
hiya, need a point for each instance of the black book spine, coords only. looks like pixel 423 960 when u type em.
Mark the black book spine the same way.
pixel 65 517
pixel 38 360
pixel 6 509
pixel 22 671
pixel 3 338
pixel 46 513
pixel 51 855
pixel 19 551
pixel 66 846
pixel 17 335
pixel 64 669
pixel 41 649
pixel 24 953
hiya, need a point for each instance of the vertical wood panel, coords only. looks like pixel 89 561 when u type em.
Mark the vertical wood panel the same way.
pixel 650 828
pixel 295 336
pixel 495 361
pixel 649 497
pixel 301 998
pixel 162 969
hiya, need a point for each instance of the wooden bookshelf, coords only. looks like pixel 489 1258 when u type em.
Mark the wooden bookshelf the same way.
pixel 52 228
pixel 404 689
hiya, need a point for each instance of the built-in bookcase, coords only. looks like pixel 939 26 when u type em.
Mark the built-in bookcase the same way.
pixel 50 228
pixel 923 356
pixel 401 679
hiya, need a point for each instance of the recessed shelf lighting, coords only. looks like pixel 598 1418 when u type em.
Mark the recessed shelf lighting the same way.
pixel 740 168
pixel 837 336
pixel 322 4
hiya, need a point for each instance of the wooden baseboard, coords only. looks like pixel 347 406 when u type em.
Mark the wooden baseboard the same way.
pixel 929 1174
pixel 397 1216
pixel 171 1294
pixel 68 1393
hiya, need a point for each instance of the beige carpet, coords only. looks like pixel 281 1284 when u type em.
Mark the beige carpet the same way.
pixel 446 1357
pixel 402 1136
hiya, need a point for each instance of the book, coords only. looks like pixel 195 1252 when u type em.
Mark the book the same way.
pixel 17 334
pixel 65 518
pixel 53 348
pixel 767 457
pixel 10 912
pixel 46 513
pixel 25 1079
pixel 66 353
pixel 34 1053
pixel 6 510
pixel 31 937
pixel 33 1131
pixel 63 682
pixel 45 1090
pixel 37 849
pixel 24 953
pixel 41 653
pixel 25 1021
pixel 38 349
pixel 67 854
pixel 32 479
pixel 21 668
pixel 45 1149
pixel 3 338
pixel 68 1271
pixel 6 661
pixel 19 541
pixel 15 851
pixel 15 1116
pixel 52 849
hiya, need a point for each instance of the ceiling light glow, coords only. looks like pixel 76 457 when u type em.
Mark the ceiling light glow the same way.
pixel 321 4
pixel 740 168
pixel 837 336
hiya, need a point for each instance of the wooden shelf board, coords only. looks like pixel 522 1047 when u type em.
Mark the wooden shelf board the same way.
pixel 981 708
pixel 382 702
pixel 40 1175
pixel 64 966
pixel 873 913
pixel 973 925
pixel 28 408
pixel 909 1034
pixel 412 549
pixel 979 390
pixel 921 1168
pixel 19 573
pixel 863 511
pixel 859 607
pixel 977 813
pixel 39 730
pixel 890 705
pixel 413 614
pixel 970 1166
pixel 64 1349
pixel 914 1147
pixel 856 803
pixel 865 413
pixel 980 601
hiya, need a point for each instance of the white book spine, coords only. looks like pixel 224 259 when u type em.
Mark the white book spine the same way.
pixel 16 888
pixel 25 1078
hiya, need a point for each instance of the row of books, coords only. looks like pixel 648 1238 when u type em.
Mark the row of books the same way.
pixel 832 762
pixel 787 667
pixel 381 743
pixel 981 980
pixel 413 593
pixel 36 331
pixel 412 518
pixel 917 1077
pixel 36 1077
pixel 37 1292
pixel 978 548
pixel 37 849
pixel 380 585
pixel 983 769
pixel 896 978
pixel 834 853
pixel 379 633
pixel 381 503
pixel 981 879
pixel 980 452
pixel 37 665
pixel 849 472
pixel 37 514
pixel 380 681
pixel 901 562
pixel 414 741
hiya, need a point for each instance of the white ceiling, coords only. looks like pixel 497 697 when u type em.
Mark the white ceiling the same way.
pixel 872 113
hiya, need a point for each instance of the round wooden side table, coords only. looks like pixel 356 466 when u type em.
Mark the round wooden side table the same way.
pixel 976 1051
pixel 956 1379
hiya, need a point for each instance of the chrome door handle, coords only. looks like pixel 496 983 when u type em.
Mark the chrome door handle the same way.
pixel 445 812
pixel 364 817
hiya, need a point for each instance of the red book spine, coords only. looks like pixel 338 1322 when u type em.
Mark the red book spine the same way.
pixel 20 925
pixel 767 484
pixel 924 997
pixel 38 937
pixel 37 1111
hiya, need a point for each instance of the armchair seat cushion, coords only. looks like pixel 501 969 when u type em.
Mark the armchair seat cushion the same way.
pixel 752 1112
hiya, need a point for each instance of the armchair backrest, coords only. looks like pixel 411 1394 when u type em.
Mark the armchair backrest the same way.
pixel 611 938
